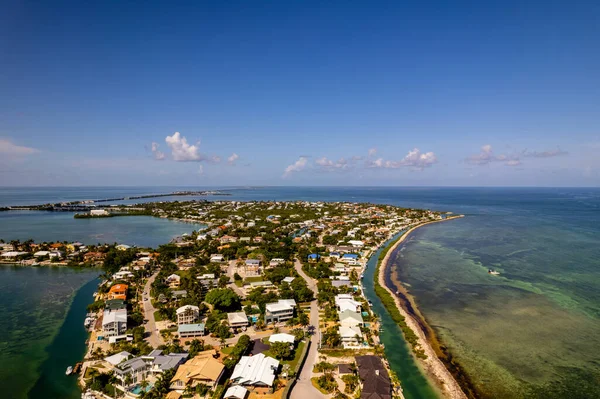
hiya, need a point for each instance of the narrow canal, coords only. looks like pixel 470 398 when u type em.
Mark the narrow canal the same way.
pixel 414 383
pixel 67 349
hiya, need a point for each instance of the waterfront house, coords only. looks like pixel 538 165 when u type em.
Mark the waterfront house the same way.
pixel 188 314
pixel 258 370
pixel 279 311
pixel 348 318
pixel 11 255
pixel 131 372
pixel 117 291
pixel 350 336
pixel 98 212
pixel 118 358
pixel 114 322
pixel 374 378
pixel 201 369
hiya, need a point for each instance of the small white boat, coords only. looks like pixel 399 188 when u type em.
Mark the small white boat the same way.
pixel 493 272
pixel 69 370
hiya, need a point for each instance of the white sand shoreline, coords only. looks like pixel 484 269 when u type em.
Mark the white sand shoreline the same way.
pixel 433 366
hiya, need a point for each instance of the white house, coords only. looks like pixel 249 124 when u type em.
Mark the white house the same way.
pixel 173 281
pixel 114 322
pixel 118 358
pixel 258 370
pixel 98 212
pixel 282 337
pixel 349 318
pixel 236 392
pixel 190 330
pixel 350 335
pixel 188 314
pixel 279 311
pixel 217 258
pixel 237 319
pixel 356 243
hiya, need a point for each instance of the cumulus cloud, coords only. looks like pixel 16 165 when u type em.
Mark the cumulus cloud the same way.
pixel 328 165
pixel 414 159
pixel 158 155
pixel 232 158
pixel 487 156
pixel 10 148
pixel 181 150
pixel 297 166
pixel 372 152
pixel 545 154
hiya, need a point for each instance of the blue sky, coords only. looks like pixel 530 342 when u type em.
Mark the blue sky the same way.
pixel 300 93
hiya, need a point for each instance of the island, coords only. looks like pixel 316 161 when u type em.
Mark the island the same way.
pixel 265 300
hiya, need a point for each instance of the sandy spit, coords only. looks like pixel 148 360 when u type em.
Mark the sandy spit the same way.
pixel 434 367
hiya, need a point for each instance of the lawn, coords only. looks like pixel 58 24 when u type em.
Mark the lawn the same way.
pixel 253 279
pixel 313 381
pixel 297 353
pixel 157 316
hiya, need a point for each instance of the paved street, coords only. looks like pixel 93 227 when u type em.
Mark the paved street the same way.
pixel 154 339
pixel 304 388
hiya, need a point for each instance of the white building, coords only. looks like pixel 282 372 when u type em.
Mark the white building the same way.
pixel 98 212
pixel 217 258
pixel 349 318
pixel 237 319
pixel 188 314
pixel 350 336
pixel 279 311
pixel 114 322
pixel 258 370
pixel 282 337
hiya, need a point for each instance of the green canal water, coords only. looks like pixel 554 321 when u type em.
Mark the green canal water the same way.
pixel 42 311
pixel 414 383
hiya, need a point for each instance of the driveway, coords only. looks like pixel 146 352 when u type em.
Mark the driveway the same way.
pixel 154 339
pixel 304 388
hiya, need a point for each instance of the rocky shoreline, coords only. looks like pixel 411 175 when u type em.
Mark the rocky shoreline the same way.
pixel 432 364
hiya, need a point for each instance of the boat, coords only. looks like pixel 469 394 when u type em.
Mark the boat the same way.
pixel 493 272
pixel 362 276
pixel 69 370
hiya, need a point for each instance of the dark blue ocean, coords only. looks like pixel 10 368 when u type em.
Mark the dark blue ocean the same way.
pixel 532 331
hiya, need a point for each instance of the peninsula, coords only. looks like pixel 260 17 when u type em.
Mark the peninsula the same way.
pixel 273 286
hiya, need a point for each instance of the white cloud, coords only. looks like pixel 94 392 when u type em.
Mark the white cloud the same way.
pixel 181 150
pixel 297 166
pixel 545 154
pixel 328 165
pixel 158 155
pixel 487 156
pixel 8 147
pixel 372 152
pixel 232 158
pixel 414 159
pixel 200 170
